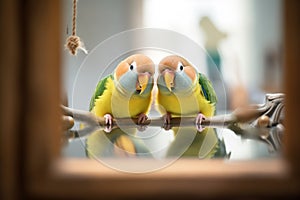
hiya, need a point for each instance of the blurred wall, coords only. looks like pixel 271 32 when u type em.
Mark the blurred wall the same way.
pixel 251 52
pixel 267 43
pixel 97 20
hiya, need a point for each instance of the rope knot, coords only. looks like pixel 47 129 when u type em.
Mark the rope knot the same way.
pixel 73 42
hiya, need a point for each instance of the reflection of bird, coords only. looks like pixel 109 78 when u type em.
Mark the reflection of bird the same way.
pixel 189 143
pixel 126 93
pixel 117 143
pixel 184 92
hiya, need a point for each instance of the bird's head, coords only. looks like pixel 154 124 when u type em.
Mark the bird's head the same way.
pixel 134 75
pixel 176 75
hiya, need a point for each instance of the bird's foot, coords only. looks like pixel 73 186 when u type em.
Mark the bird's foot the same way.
pixel 167 121
pixel 108 123
pixel 199 119
pixel 141 120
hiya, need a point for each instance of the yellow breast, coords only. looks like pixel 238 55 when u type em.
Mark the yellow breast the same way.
pixel 188 104
pixel 114 103
pixel 129 106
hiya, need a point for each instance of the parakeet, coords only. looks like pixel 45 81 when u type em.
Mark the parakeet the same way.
pixel 125 93
pixel 182 91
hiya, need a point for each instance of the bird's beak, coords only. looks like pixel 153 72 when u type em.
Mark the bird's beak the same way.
pixel 142 82
pixel 169 79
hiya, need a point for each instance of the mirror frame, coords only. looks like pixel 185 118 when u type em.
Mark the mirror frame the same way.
pixel 31 136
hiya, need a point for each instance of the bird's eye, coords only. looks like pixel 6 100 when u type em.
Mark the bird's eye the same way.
pixel 132 65
pixel 180 66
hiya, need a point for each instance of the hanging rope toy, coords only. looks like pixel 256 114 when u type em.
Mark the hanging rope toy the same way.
pixel 73 42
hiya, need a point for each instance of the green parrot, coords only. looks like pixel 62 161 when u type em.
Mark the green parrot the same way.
pixel 125 93
pixel 182 91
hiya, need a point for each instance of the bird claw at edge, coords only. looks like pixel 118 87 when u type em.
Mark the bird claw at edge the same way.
pixel 141 120
pixel 167 121
pixel 108 123
pixel 200 117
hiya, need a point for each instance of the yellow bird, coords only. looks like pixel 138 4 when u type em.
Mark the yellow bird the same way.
pixel 125 93
pixel 182 91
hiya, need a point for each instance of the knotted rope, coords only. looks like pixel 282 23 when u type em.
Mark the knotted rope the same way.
pixel 73 42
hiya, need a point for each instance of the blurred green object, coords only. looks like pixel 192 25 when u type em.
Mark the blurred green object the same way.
pixel 213 37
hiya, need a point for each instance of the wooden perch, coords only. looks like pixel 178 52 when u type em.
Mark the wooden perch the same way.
pixel 252 122
pixel 253 116
pixel 92 120
pixel 268 112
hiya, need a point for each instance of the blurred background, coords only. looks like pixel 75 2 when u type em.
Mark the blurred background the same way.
pixel 243 39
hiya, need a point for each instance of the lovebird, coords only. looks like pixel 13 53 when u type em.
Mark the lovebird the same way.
pixel 125 93
pixel 182 91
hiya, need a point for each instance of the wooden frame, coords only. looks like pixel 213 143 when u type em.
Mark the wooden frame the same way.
pixel 30 120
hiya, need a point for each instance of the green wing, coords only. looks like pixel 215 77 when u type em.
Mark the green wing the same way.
pixel 101 86
pixel 207 88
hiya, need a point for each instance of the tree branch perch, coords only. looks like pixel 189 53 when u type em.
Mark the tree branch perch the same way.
pixel 266 115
